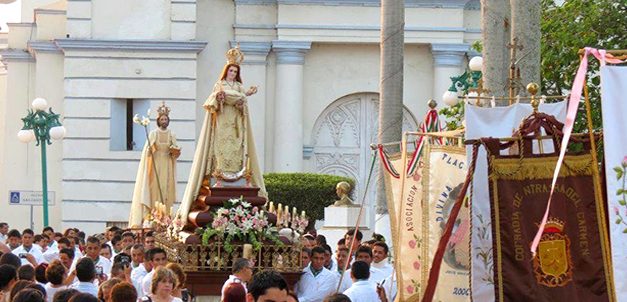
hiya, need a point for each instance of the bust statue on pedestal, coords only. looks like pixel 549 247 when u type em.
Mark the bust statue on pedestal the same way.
pixel 342 215
pixel 343 189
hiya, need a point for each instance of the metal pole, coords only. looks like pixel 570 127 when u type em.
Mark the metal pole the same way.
pixel 44 182
pixel 32 221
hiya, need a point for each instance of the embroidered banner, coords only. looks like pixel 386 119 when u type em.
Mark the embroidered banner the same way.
pixel 491 122
pixel 407 223
pixel 614 85
pixel 443 177
pixel 572 262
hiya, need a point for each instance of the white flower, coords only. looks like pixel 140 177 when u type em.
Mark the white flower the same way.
pixel 247 225
pixel 231 229
pixel 148 112
pixel 246 204
pixel 145 121
pixel 136 119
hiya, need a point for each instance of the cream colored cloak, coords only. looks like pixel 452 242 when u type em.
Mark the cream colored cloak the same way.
pixel 206 149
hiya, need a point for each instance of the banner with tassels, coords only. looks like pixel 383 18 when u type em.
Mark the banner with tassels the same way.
pixel 491 122
pixel 407 227
pixel 572 261
pixel 443 177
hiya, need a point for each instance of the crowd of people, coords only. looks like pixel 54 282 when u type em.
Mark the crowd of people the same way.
pixel 121 266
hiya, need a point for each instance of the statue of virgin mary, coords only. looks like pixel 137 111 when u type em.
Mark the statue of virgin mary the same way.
pixel 225 151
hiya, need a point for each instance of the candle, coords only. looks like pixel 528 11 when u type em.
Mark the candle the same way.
pixel 271 209
pixel 302 215
pixel 247 164
pixel 248 251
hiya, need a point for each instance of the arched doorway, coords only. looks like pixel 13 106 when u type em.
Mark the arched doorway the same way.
pixel 342 136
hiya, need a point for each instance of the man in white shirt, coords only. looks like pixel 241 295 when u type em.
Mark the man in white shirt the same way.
pixel 361 289
pixel 380 258
pixel 328 258
pixel 4 232
pixel 137 255
pixel 363 253
pixel 242 272
pixel 86 274
pixel 14 239
pixel 341 257
pixel 67 258
pixel 317 282
pixel 92 251
pixel 27 247
pixel 158 258
pixel 138 273
pixel 52 244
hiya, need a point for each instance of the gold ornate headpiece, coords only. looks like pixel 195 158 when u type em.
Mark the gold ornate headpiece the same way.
pixel 163 110
pixel 234 56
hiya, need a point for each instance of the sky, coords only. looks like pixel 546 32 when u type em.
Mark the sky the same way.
pixel 9 13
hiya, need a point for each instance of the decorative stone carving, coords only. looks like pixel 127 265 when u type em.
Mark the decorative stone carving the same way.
pixel 342 135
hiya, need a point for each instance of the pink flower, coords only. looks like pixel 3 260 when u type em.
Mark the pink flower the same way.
pixel 625 161
pixel 412 244
pixel 416 265
pixel 410 289
pixel 616 210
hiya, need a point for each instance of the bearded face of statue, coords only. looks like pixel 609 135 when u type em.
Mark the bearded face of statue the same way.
pixel 163 121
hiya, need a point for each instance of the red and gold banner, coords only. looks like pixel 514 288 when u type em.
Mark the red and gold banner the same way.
pixel 572 261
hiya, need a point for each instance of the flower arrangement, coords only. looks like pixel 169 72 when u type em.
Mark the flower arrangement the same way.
pixel 239 220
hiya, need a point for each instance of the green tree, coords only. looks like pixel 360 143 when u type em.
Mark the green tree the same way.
pixel 568 26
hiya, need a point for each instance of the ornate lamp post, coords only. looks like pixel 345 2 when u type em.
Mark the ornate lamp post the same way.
pixel 40 125
pixel 469 81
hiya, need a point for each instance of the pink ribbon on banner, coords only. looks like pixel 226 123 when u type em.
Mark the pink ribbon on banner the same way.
pixel 573 105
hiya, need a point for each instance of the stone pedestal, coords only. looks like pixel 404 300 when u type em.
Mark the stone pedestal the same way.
pixel 338 220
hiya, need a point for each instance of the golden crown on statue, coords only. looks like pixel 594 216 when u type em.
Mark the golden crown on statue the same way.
pixel 234 56
pixel 163 110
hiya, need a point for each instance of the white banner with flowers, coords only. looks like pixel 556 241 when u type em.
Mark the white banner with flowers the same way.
pixel 614 106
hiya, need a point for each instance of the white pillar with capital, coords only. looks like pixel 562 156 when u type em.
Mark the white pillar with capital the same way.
pixel 254 74
pixel 448 61
pixel 288 114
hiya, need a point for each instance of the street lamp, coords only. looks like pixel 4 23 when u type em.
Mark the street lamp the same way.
pixel 470 80
pixel 41 126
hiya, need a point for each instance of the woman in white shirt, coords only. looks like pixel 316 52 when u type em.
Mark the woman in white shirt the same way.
pixel 163 283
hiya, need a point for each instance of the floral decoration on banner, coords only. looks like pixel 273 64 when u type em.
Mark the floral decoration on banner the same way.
pixel 238 220
pixel 621 193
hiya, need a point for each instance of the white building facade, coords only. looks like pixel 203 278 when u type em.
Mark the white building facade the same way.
pixel 99 62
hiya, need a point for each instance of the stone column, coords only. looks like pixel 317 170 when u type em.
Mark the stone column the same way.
pixel 448 61
pixel 288 114
pixel 254 74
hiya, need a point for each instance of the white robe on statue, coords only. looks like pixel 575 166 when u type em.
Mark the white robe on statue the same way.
pixel 146 190
pixel 206 148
